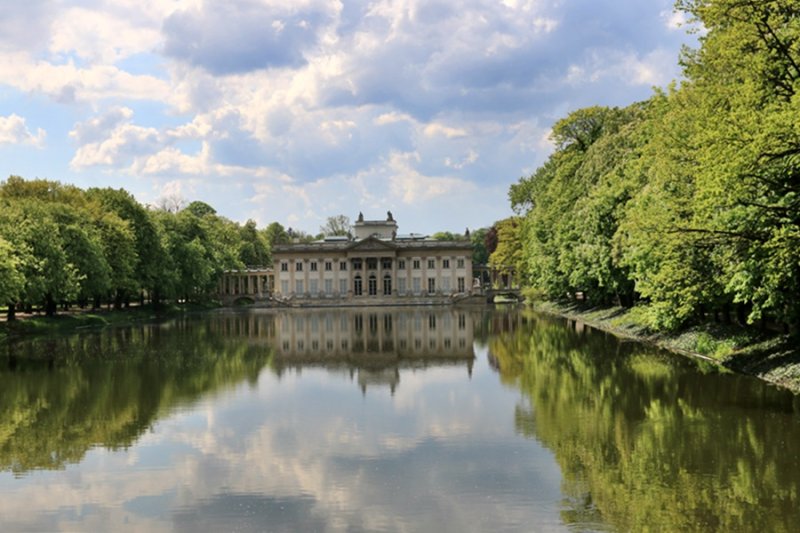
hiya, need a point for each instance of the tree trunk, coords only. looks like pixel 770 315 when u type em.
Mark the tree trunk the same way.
pixel 49 305
pixel 11 315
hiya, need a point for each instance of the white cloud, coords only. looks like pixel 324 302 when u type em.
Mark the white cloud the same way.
pixel 13 130
pixel 69 82
pixel 99 36
pixel 410 186
pixel 433 129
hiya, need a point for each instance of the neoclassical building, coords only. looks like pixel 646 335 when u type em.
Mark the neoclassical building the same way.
pixel 377 265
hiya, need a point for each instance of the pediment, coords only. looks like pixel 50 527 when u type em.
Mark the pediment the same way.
pixel 371 244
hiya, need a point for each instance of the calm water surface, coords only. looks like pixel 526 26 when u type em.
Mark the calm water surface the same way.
pixel 385 420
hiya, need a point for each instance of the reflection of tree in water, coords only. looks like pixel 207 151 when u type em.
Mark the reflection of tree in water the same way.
pixel 647 442
pixel 59 397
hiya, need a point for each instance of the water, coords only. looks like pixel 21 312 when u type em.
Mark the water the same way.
pixel 423 419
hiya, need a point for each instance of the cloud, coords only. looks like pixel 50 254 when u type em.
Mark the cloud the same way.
pixel 86 84
pixel 100 36
pixel 433 129
pixel 226 37
pixel 24 25
pixel 112 140
pixel 13 130
pixel 312 97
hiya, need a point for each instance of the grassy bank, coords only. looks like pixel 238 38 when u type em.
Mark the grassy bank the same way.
pixel 770 356
pixel 66 322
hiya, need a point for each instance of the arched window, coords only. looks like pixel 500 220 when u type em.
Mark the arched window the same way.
pixel 373 285
pixel 357 289
pixel 387 285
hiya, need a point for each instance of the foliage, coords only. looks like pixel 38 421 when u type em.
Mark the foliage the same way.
pixel 61 245
pixel 690 200
pixel 336 226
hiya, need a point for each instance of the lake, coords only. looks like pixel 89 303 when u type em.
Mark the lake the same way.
pixel 376 419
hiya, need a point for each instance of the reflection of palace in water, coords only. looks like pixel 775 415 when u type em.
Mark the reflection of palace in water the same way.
pixel 373 343
pixel 376 344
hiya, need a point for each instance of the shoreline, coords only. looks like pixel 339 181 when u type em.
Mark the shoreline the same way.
pixel 65 322
pixel 771 357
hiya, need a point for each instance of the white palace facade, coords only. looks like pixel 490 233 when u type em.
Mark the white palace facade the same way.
pixel 376 266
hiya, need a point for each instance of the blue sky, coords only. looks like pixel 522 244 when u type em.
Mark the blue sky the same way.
pixel 293 111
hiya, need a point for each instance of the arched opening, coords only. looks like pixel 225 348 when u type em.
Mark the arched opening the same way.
pixel 373 285
pixel 387 285
pixel 357 287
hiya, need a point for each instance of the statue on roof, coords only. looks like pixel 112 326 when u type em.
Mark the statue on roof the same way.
pixel 360 216
pixel 389 216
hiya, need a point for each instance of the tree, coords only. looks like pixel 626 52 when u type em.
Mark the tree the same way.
pixel 480 255
pixel 255 249
pixel 276 234
pixel 336 226
pixel 12 280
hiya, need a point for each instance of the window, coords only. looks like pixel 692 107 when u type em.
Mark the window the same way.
pixel 415 284
pixel 460 263
pixel 415 264
pixel 431 322
pixel 313 266
pixel 285 286
pixel 284 266
pixel 314 286
pixel 445 263
pixel 328 286
pixel 328 266
pixel 387 285
pixel 401 285
pixel 462 321
pixel 342 265
pixel 357 288
pixel 401 264
pixel 445 284
pixel 461 284
pixel 386 264
pixel 373 285
pixel 342 286
pixel 298 286
pixel 298 266
pixel 356 264
pixel 431 285
pixel 372 263
pixel 431 263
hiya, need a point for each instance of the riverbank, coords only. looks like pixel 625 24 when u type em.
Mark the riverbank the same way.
pixel 772 357
pixel 79 320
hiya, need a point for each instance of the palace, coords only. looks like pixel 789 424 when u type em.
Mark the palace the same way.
pixel 376 266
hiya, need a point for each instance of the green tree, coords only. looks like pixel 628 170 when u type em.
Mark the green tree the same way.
pixel 12 280
pixel 338 225
pixel 275 233
pixel 255 249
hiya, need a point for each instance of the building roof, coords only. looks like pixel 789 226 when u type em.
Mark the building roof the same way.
pixel 372 243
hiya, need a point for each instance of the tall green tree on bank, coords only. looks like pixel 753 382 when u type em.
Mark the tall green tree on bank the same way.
pixel 61 245
pixel 690 200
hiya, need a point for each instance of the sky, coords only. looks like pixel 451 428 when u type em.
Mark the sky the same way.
pixel 297 110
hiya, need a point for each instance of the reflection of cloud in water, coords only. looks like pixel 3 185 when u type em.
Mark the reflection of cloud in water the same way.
pixel 306 450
